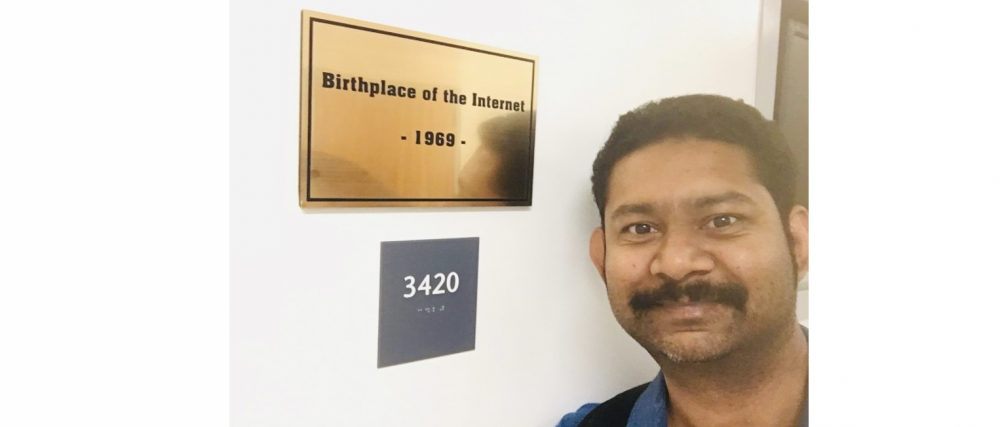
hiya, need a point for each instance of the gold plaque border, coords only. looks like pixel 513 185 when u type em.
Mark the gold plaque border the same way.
pixel 309 18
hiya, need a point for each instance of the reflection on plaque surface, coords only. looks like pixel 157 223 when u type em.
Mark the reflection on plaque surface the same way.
pixel 392 117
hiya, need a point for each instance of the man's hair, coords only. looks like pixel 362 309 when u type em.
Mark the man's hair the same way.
pixel 508 137
pixel 706 117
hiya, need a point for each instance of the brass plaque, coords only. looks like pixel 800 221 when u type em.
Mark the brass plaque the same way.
pixel 391 117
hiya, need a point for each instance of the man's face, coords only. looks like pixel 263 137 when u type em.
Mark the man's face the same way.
pixel 694 254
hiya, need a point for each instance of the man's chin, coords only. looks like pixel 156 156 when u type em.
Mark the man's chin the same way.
pixel 700 334
pixel 696 346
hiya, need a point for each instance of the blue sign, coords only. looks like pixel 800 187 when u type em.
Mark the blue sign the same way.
pixel 427 303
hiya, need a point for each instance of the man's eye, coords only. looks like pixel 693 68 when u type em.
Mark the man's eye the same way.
pixel 722 221
pixel 640 229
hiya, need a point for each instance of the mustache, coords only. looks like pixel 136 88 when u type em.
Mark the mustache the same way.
pixel 730 293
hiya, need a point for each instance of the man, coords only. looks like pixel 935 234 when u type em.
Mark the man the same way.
pixel 701 248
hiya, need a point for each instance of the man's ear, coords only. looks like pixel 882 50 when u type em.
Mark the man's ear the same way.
pixel 597 251
pixel 798 227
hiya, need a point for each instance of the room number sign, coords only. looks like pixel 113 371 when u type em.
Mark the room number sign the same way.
pixel 427 299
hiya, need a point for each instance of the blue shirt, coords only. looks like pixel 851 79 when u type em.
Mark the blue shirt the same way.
pixel 650 409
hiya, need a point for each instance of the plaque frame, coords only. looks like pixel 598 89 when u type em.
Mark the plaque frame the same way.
pixel 306 200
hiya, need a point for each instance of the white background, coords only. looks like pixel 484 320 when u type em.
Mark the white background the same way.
pixel 304 285
pixel 115 238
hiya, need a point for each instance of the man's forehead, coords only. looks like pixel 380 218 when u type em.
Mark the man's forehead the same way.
pixel 690 173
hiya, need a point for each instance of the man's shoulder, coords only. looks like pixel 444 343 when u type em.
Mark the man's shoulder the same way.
pixel 612 412
pixel 573 419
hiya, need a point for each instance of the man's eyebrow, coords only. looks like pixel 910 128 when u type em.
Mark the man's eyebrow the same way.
pixel 727 197
pixel 634 208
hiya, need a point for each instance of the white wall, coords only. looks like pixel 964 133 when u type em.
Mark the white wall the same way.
pixel 304 284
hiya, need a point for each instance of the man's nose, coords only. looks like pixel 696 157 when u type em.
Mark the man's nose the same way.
pixel 680 257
